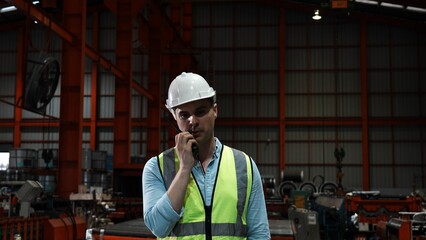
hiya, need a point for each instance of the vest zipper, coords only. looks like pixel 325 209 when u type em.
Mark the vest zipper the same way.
pixel 208 222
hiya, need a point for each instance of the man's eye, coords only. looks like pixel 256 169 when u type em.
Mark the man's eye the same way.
pixel 200 113
pixel 184 116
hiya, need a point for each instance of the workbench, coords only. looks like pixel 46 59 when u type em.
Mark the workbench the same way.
pixel 137 230
pixel 128 230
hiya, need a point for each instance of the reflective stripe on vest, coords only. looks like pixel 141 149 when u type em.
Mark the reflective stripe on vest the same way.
pixel 233 180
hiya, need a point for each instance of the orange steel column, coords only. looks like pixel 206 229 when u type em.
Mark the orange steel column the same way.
pixel 72 90
pixel 282 123
pixel 123 90
pixel 154 81
pixel 173 65
pixel 94 91
pixel 364 109
pixel 19 88
pixel 181 18
pixel 186 58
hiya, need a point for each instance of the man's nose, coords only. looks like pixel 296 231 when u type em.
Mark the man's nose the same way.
pixel 192 119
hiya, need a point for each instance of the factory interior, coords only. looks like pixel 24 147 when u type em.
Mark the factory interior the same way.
pixel 328 97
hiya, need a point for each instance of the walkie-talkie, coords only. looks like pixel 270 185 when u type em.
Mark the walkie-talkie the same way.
pixel 194 147
pixel 195 151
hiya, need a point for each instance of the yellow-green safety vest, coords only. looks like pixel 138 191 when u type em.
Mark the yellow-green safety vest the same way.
pixel 226 217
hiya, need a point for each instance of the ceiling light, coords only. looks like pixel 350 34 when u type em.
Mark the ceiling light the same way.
pixel 385 4
pixel 13 8
pixel 8 9
pixel 416 9
pixel 316 15
pixel 367 1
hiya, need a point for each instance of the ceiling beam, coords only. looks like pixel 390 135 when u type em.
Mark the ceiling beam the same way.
pixel 38 15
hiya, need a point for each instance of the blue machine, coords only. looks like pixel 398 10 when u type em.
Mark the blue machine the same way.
pixel 331 216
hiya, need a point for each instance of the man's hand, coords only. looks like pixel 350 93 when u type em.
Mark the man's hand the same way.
pixel 184 141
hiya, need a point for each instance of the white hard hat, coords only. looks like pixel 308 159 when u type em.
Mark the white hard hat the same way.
pixel 188 87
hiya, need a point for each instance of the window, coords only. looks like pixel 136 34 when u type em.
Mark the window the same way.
pixel 4 160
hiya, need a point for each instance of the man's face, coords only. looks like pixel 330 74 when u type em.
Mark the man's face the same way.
pixel 198 118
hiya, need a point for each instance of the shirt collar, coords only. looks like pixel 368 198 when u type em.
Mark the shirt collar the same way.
pixel 218 149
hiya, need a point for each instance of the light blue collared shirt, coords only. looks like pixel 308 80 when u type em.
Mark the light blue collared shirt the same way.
pixel 160 217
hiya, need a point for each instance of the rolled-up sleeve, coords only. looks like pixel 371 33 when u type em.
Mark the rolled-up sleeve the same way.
pixel 158 213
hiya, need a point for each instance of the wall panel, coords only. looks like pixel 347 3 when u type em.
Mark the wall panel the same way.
pixel 7 110
pixel 408 176
pixel 9 61
pixel 6 134
pixel 380 153
pixel 381 177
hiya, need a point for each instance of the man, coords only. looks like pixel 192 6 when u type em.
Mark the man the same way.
pixel 201 189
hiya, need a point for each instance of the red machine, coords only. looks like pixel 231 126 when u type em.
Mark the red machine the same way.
pixel 62 228
pixel 381 214
pixel 397 228
pixel 372 208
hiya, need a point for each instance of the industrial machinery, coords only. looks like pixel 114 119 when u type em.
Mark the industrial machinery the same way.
pixel 368 209
pixel 320 211
pixel 26 194
pixel 306 223
pixel 418 224
pixel 332 218
pixel 278 204
pixel 282 229
pixel 398 229
pixel 408 226
pixel 315 208
pixel 42 83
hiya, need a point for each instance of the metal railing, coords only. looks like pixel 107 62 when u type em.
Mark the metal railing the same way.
pixel 28 228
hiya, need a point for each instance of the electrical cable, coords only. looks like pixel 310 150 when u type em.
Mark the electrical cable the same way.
pixel 339 96
pixel 66 227
pixel 70 215
pixel 72 218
